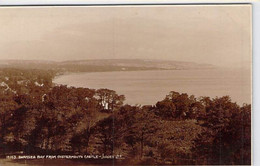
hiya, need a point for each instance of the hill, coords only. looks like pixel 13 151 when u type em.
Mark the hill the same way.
pixel 104 65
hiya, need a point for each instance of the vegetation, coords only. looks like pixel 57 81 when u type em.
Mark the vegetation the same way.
pixel 38 117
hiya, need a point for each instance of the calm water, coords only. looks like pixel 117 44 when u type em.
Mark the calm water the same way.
pixel 148 87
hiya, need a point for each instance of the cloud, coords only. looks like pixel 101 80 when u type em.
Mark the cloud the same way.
pixel 205 34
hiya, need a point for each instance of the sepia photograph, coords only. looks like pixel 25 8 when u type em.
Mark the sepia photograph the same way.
pixel 126 85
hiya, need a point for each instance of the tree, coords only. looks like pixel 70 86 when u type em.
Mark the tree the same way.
pixel 178 106
pixel 104 131
pixel 109 100
pixel 76 112
pixel 166 109
pixel 138 126
pixel 224 140
pixel 7 108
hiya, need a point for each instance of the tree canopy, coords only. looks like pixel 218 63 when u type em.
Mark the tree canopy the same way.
pixel 39 117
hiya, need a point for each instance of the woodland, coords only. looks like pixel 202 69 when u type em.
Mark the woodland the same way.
pixel 40 117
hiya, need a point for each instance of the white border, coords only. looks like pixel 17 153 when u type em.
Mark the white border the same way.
pixel 111 2
pixel 256 83
pixel 255 51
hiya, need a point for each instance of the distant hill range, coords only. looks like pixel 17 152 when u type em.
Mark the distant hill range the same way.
pixel 104 65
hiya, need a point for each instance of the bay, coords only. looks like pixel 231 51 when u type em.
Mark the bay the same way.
pixel 148 87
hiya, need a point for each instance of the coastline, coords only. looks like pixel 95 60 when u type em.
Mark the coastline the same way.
pixel 133 84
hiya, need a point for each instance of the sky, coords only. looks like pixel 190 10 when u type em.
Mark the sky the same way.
pixel 212 34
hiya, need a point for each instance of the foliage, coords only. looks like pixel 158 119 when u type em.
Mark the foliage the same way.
pixel 38 117
pixel 227 133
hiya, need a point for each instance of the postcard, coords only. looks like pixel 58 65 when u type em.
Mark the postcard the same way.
pixel 126 85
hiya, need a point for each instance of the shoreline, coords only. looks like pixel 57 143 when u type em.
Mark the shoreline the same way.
pixel 126 83
pixel 112 71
